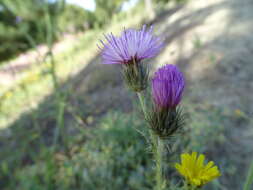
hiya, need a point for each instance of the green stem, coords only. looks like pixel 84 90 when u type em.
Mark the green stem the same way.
pixel 158 158
pixel 60 100
pixel 59 122
pixel 143 105
pixel 53 70
pixel 157 147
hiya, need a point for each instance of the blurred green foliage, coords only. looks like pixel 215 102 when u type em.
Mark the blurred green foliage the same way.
pixel 24 21
pixel 75 19
pixel 24 24
pixel 106 9
pixel 106 157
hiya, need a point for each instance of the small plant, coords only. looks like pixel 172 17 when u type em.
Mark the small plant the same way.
pixel 197 42
pixel 164 117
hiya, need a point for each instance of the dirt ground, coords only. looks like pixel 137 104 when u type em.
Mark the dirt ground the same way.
pixel 14 69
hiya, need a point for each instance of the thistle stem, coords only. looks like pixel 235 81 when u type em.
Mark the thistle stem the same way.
pixel 157 145
pixel 143 104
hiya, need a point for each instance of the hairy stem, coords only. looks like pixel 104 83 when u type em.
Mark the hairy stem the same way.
pixel 157 145
pixel 158 158
pixel 143 104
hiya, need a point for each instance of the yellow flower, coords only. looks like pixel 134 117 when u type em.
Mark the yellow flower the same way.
pixel 7 95
pixel 194 170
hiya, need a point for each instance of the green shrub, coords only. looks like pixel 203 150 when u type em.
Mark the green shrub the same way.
pixel 112 155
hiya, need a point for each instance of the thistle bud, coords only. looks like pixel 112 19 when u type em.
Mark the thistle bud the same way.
pixel 167 89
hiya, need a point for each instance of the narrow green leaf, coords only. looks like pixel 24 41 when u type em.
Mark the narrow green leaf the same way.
pixel 249 180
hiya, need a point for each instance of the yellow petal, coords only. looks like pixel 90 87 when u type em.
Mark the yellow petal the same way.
pixel 209 165
pixel 180 169
pixel 200 161
pixel 194 156
pixel 195 172
pixel 214 171
pixel 185 158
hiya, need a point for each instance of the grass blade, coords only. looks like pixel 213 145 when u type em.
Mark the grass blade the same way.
pixel 249 179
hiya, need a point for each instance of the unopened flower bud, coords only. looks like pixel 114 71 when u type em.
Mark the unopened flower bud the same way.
pixel 167 87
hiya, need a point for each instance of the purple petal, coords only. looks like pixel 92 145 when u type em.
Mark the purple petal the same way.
pixel 138 44
pixel 167 86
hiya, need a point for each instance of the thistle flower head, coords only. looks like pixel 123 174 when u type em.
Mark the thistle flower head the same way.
pixel 194 170
pixel 132 45
pixel 167 86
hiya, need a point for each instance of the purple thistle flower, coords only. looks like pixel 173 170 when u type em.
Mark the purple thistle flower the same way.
pixel 167 87
pixel 132 45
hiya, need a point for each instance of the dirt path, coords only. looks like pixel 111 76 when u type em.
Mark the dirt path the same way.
pixel 13 70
